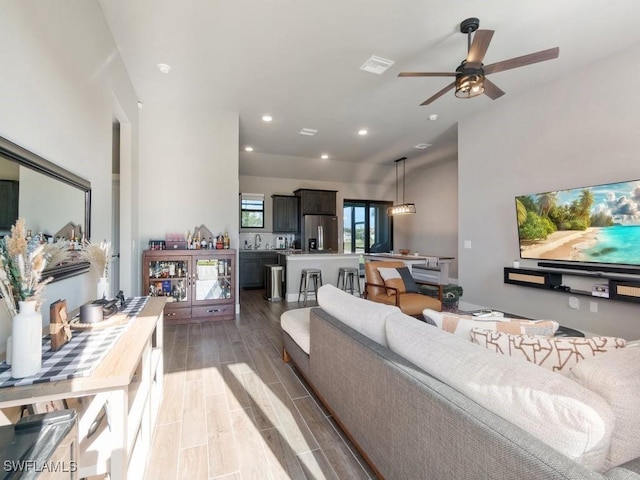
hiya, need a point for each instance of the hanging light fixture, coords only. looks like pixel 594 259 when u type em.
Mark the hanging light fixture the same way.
pixel 401 208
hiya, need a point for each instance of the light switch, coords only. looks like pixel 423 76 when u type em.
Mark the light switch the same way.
pixel 574 303
pixel 593 307
pixel 467 244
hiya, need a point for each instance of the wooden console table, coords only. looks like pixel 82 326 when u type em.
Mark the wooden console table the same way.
pixel 128 383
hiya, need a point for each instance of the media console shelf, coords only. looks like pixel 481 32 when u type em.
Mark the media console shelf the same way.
pixel 618 287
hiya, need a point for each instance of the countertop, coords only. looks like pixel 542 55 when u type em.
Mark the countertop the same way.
pixel 270 250
pixel 407 257
pixel 328 255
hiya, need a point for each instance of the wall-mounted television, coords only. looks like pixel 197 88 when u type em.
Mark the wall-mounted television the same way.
pixel 598 224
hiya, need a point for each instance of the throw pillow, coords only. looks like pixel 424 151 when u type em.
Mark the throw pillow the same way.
pixel 558 354
pixel 399 278
pixel 616 377
pixel 570 418
pixel 463 324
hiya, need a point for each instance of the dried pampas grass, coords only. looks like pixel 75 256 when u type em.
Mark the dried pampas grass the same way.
pixel 22 263
pixel 97 254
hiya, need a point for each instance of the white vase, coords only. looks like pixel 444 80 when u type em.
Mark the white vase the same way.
pixel 103 288
pixel 26 341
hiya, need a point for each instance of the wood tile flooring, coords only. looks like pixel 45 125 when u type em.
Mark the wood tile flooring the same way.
pixel 233 410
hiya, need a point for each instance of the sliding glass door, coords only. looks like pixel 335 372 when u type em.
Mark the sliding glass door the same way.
pixel 367 228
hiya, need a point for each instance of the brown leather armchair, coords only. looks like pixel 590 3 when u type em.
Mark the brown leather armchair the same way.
pixel 410 303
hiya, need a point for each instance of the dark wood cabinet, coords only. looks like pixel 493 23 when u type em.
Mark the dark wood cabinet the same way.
pixel 286 214
pixel 199 284
pixel 252 267
pixel 317 202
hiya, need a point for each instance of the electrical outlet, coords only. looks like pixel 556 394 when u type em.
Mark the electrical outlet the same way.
pixel 574 303
pixel 467 244
pixel 593 307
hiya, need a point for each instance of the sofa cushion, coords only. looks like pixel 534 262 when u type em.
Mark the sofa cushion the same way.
pixel 362 315
pixel 557 354
pixel 462 324
pixel 615 375
pixel 399 278
pixel 566 416
pixel 296 323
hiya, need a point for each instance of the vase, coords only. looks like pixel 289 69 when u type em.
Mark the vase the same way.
pixel 26 340
pixel 103 288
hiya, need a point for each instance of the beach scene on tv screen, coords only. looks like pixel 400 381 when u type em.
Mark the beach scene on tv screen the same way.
pixel 599 224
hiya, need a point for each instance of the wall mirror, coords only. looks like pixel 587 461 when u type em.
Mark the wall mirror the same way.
pixel 47 196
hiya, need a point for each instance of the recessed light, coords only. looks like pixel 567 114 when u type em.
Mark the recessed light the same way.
pixel 248 149
pixel 324 156
pixel 433 117
pixel 308 131
pixel 164 68
pixel 422 146
pixel 362 131
pixel 267 118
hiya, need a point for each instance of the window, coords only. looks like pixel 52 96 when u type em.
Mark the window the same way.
pixel 367 228
pixel 251 210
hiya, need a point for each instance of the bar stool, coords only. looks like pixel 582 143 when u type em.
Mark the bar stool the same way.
pixel 306 276
pixel 348 277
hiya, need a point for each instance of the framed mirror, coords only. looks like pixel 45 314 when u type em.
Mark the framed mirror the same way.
pixel 46 195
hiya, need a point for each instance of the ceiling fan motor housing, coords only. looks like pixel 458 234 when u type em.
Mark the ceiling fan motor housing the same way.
pixel 469 25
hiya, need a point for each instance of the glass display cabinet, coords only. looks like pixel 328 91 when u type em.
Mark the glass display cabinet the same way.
pixel 199 284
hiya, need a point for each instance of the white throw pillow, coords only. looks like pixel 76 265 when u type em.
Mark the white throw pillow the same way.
pixel 615 376
pixel 566 416
pixel 462 324
pixel 365 316
pixel 557 354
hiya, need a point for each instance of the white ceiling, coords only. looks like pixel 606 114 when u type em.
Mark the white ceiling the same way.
pixel 299 60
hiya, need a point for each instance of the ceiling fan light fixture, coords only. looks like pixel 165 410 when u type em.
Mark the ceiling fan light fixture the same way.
pixel 469 85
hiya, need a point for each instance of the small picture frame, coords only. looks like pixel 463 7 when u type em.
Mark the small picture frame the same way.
pixel 46 407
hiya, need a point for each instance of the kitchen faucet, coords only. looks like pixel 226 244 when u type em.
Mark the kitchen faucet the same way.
pixel 256 241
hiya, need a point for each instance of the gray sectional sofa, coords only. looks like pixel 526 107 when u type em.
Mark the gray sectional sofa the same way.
pixel 408 424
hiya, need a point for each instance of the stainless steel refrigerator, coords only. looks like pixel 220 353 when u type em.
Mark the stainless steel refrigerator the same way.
pixel 320 233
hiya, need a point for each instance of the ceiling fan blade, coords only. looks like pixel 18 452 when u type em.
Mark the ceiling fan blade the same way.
pixel 479 46
pixel 427 74
pixel 491 90
pixel 439 94
pixel 516 62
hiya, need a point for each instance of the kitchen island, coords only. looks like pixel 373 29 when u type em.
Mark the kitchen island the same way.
pixel 328 263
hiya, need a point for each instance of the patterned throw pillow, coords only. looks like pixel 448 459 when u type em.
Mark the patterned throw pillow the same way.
pixel 463 324
pixel 399 278
pixel 558 354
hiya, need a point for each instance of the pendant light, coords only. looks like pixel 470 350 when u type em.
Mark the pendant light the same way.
pixel 401 208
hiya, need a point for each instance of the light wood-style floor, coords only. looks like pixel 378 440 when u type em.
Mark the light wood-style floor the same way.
pixel 233 410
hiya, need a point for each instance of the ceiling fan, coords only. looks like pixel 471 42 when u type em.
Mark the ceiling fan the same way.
pixel 471 74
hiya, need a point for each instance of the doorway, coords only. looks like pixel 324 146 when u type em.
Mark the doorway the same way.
pixel 367 227
pixel 115 210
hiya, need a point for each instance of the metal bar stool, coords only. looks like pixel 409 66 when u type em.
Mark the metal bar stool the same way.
pixel 347 278
pixel 306 276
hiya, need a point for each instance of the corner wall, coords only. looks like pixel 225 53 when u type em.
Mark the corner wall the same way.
pixel 564 134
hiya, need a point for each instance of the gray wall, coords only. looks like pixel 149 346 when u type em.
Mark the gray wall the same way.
pixel 574 132
pixel 433 230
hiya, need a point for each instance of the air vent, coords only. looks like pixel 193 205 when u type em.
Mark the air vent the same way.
pixel 308 131
pixel 422 146
pixel 377 65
